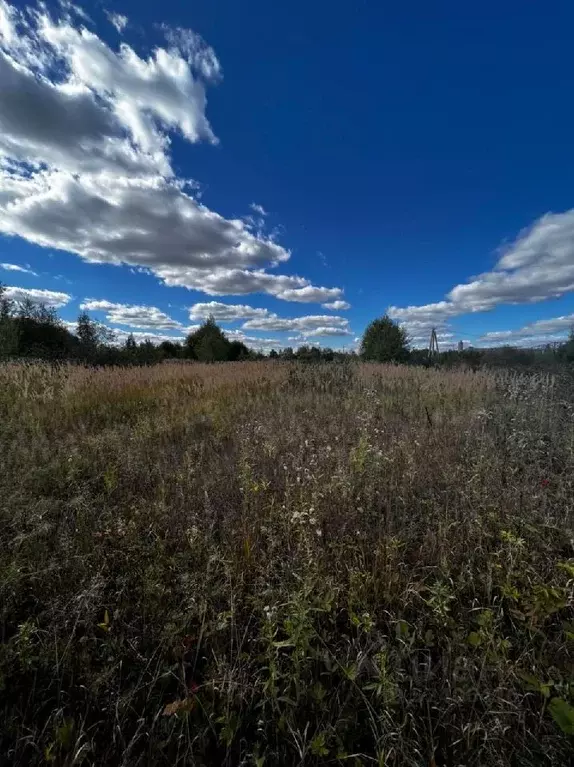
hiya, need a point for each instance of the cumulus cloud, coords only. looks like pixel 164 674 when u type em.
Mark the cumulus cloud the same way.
pixel 254 342
pixel 537 266
pixel 143 93
pixel 426 316
pixel 120 336
pixel 329 331
pixel 319 324
pixel 523 342
pixel 85 161
pixel 105 218
pixel 49 298
pixel 222 281
pixel 310 294
pixel 541 331
pixel 338 306
pixel 225 312
pixel 16 268
pixel 132 315
pixel 263 319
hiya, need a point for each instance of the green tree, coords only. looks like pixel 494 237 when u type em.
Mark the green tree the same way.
pixel 568 352
pixel 170 349
pixel 327 354
pixel 309 354
pixel 9 334
pixel 87 333
pixel 40 333
pixel 237 351
pixel 148 353
pixel 92 336
pixel 385 341
pixel 130 344
pixel 208 343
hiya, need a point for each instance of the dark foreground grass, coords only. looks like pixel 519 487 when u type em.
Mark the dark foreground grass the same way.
pixel 259 564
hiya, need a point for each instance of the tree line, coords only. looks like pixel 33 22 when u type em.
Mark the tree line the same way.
pixel 386 341
pixel 34 331
pixel 31 330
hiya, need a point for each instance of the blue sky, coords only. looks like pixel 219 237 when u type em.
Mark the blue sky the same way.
pixel 296 169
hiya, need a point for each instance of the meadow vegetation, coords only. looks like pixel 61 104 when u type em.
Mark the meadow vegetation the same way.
pixel 269 563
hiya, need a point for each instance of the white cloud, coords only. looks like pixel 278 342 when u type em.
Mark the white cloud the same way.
pixel 254 342
pixel 225 312
pixel 196 51
pixel 118 20
pixel 132 315
pixel 142 93
pixel 7 31
pixel 50 298
pixel 543 331
pixel 16 268
pixel 306 325
pixel 223 281
pixel 329 331
pixel 104 111
pixel 259 209
pixel 310 294
pixel 524 342
pixel 139 335
pixel 537 266
pixel 150 317
pixel 85 161
pixel 140 221
pixel 427 316
pixel 263 319
pixel 338 306
pixel 71 9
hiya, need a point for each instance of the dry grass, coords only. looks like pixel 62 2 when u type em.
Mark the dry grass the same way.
pixel 267 564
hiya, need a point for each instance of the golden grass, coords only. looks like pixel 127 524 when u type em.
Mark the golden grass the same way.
pixel 259 563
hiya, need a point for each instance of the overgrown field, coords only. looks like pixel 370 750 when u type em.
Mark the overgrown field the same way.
pixel 262 564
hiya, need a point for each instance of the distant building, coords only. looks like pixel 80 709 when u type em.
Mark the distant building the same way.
pixel 460 346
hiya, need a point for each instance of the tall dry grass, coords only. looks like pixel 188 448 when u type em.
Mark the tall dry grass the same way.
pixel 277 564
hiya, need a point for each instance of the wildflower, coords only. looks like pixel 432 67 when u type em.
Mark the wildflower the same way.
pixel 544 482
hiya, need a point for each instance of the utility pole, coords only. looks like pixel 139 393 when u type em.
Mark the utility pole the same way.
pixel 433 345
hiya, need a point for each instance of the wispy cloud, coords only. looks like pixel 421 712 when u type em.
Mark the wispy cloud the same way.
pixel 259 209
pixel 118 20
pixel 17 268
